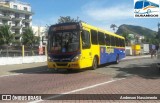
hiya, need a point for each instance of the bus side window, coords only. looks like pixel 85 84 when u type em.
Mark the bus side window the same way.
pixel 118 42
pixel 85 39
pixel 101 38
pixel 112 41
pixel 123 43
pixel 94 38
pixel 107 39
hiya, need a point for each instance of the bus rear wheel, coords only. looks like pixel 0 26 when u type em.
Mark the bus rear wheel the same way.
pixel 94 64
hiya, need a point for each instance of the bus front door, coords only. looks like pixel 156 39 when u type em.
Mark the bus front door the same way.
pixel 86 49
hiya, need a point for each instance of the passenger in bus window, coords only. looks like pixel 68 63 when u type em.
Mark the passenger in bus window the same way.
pixel 66 45
pixel 56 47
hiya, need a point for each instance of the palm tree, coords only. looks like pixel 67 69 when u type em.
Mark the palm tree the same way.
pixel 6 37
pixel 28 37
pixel 113 26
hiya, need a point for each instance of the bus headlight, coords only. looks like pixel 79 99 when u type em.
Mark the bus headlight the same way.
pixel 76 58
pixel 49 59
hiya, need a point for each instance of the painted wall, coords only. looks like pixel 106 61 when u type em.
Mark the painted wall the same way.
pixel 21 60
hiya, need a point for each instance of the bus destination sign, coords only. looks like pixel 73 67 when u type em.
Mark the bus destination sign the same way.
pixel 66 27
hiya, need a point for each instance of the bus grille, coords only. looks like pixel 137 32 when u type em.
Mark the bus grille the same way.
pixel 62 64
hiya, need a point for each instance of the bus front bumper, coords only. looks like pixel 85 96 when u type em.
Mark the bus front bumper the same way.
pixel 63 65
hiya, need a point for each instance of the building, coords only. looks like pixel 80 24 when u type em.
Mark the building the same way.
pixel 17 15
pixel 41 32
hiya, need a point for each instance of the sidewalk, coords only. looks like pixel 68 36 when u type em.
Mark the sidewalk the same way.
pixel 36 59
pixel 136 57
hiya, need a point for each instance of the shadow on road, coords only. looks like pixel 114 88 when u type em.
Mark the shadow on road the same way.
pixel 147 71
pixel 45 70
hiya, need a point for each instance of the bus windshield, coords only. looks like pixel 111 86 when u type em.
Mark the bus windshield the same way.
pixel 63 42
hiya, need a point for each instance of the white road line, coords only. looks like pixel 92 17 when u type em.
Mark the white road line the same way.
pixel 10 75
pixel 77 90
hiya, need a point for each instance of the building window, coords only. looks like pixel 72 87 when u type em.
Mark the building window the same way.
pixel 26 16
pixel 27 25
pixel 15 6
pixel 16 15
pixel 17 32
pixel 5 22
pixel 16 23
pixel 25 8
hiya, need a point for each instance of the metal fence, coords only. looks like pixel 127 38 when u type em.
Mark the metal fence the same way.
pixel 16 51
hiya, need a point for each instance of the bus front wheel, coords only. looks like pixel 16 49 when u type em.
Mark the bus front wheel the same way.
pixel 94 64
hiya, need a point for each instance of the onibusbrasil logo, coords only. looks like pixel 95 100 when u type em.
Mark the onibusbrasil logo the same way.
pixel 146 8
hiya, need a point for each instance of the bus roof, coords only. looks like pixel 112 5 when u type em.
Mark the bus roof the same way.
pixel 83 24
pixel 101 30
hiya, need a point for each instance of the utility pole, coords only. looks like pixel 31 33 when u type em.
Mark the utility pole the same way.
pixel 39 34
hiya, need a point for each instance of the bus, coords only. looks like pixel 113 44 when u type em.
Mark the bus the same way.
pixel 78 45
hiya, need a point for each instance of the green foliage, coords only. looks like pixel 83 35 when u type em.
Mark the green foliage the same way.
pixel 17 42
pixel 6 37
pixel 66 19
pixel 137 30
pixel 28 37
pixel 127 38
pixel 113 26
pixel 150 36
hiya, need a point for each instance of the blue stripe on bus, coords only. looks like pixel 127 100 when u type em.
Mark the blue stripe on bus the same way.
pixel 110 57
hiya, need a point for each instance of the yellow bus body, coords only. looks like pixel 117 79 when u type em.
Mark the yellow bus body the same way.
pixel 86 55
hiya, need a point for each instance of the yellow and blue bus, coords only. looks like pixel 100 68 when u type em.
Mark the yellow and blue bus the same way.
pixel 78 45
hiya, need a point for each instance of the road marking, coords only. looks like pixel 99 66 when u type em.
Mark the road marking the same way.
pixel 10 75
pixel 77 90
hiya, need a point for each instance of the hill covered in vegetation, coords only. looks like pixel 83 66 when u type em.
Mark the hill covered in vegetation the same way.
pixel 137 30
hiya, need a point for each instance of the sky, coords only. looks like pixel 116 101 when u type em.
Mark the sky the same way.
pixel 100 13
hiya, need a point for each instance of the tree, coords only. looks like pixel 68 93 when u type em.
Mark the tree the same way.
pixel 113 26
pixel 6 37
pixel 127 38
pixel 66 19
pixel 28 38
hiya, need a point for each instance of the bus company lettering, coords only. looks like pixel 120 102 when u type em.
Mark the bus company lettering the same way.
pixel 109 50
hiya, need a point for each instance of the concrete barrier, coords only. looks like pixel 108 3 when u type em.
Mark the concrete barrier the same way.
pixel 21 60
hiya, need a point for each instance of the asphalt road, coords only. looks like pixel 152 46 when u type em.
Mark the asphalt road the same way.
pixel 135 76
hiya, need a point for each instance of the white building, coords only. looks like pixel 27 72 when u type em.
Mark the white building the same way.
pixel 16 14
pixel 41 32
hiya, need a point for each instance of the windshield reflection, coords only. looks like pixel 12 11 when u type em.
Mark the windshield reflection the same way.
pixel 64 42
